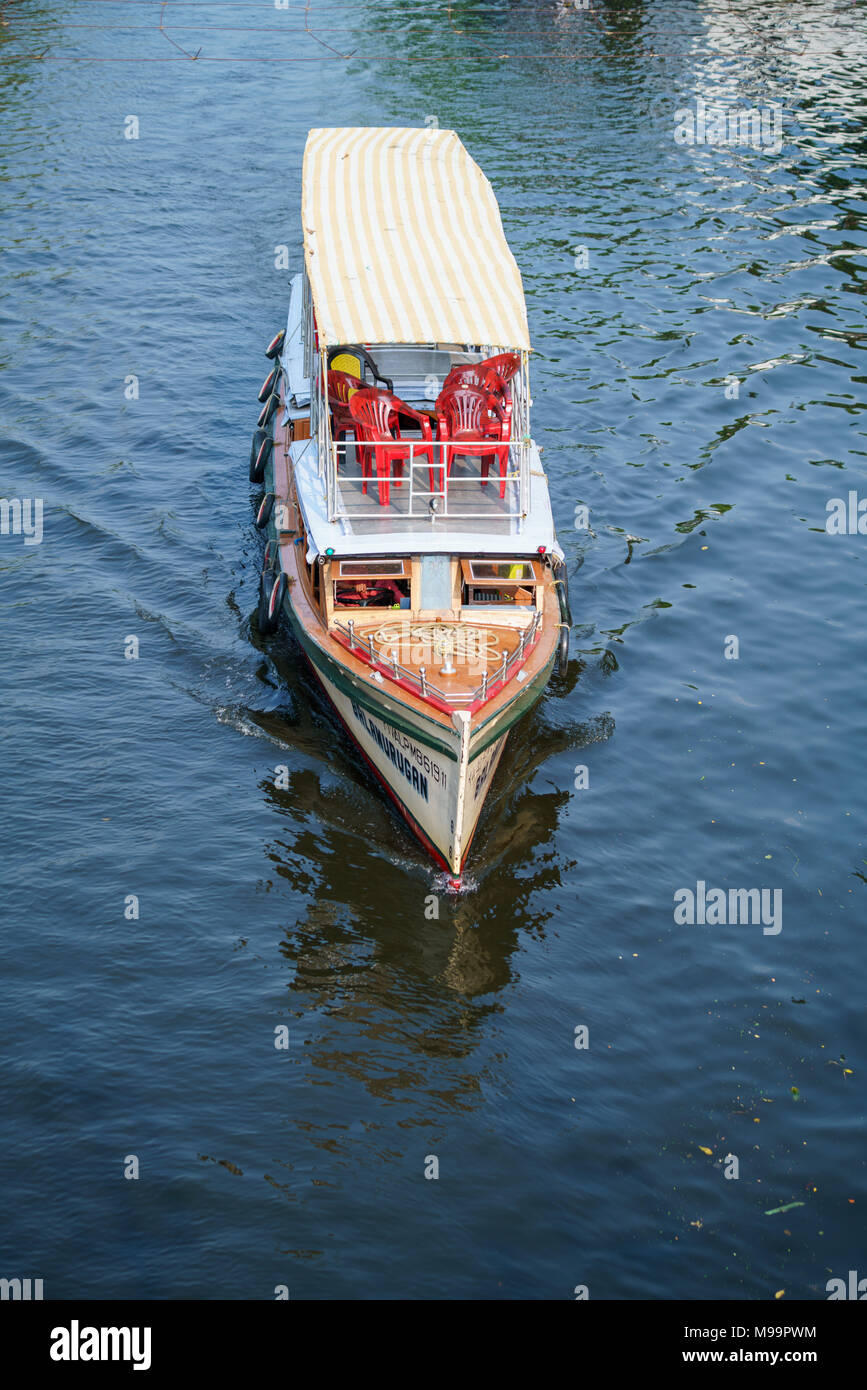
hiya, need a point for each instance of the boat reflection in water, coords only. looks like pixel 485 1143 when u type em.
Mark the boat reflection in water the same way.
pixel 334 830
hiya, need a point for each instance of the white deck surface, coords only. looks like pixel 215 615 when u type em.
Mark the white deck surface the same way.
pixel 377 529
pixel 370 529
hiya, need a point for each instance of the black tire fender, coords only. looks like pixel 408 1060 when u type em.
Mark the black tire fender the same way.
pixel 269 384
pixel 268 409
pixel 561 579
pixel 275 347
pixel 266 507
pixel 260 454
pixel 272 590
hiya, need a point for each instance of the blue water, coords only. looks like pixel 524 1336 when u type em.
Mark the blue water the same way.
pixel 698 384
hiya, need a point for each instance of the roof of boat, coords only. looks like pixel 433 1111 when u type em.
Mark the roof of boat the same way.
pixel 404 243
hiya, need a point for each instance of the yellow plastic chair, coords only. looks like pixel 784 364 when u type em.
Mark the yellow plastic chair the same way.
pixel 353 360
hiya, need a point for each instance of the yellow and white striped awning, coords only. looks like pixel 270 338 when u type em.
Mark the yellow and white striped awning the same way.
pixel 403 241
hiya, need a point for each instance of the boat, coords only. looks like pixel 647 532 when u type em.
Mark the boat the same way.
pixel 410 541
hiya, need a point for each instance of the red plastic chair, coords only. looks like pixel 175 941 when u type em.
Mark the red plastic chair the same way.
pixel 341 387
pixel 506 365
pixel 483 378
pixel 466 427
pixel 477 374
pixel 492 375
pixel 375 414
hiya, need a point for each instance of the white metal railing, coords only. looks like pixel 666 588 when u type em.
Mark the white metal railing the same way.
pixel 424 504
pixel 453 496
pixel 491 680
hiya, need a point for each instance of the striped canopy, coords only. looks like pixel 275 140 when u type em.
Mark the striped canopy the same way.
pixel 403 242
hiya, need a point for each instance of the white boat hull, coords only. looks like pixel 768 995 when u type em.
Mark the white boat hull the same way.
pixel 440 793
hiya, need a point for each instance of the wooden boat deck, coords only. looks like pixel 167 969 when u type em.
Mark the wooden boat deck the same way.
pixel 472 647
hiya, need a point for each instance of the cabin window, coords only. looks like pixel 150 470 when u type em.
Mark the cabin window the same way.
pixel 373 584
pixel 501 583
pixel 371 569
pixel 487 570
pixel 371 593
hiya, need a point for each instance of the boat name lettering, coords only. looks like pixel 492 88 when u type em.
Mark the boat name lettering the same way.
pixel 483 776
pixel 416 779
pixel 432 768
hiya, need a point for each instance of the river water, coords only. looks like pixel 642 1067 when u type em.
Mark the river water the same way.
pixel 699 382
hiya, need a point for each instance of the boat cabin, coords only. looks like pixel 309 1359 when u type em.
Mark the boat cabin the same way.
pixel 408 476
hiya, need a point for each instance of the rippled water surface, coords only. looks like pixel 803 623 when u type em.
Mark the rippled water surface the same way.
pixel 698 386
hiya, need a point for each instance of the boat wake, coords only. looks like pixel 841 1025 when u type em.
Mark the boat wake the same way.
pixel 459 887
pixel 247 723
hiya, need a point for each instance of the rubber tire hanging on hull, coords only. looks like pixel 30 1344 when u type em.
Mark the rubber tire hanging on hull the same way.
pixel 563 649
pixel 269 384
pixel 268 409
pixel 260 453
pixel 561 575
pixel 272 591
pixel 266 507
pixel 275 346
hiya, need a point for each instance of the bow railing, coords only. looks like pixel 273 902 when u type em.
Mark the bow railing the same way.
pixel 382 657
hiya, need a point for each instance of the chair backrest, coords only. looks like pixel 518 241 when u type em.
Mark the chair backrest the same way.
pixel 506 365
pixel 346 363
pixel 465 409
pixel 479 374
pixel 374 410
pixel 354 359
pixel 473 374
pixel 342 386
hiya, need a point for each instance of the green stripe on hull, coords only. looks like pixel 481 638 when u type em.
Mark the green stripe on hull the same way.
pixel 335 672
pixel 505 719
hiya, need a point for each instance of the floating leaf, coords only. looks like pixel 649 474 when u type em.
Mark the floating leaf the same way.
pixel 704 1150
pixel 779 1293
pixel 796 1094
pixel 775 1211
